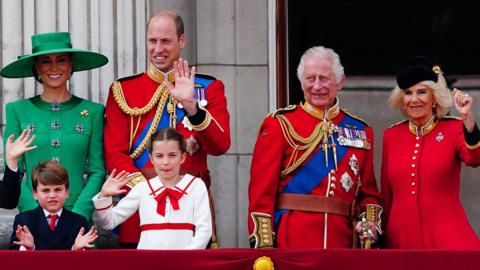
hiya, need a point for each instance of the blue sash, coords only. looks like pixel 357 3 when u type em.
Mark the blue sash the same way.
pixel 142 159
pixel 199 91
pixel 312 173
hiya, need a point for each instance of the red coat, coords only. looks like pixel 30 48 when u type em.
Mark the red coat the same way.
pixel 420 186
pixel 138 91
pixel 272 153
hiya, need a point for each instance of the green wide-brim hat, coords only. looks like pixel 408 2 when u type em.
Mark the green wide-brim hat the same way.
pixel 56 42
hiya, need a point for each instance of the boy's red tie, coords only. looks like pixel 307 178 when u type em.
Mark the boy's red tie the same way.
pixel 53 219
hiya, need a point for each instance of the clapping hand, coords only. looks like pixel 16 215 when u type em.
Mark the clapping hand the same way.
pixel 463 104
pixel 24 236
pixel 184 85
pixel 114 184
pixel 83 241
pixel 14 149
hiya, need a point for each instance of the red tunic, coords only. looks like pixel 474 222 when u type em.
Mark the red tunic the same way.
pixel 420 186
pixel 302 229
pixel 138 91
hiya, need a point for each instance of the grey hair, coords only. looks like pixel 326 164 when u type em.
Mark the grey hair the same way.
pixel 441 94
pixel 337 67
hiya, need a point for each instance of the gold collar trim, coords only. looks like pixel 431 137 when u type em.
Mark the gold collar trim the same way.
pixel 329 114
pixel 424 130
pixel 159 76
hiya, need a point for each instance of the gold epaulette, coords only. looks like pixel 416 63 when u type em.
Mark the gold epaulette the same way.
pixel 205 76
pixel 117 92
pixel 451 117
pixel 354 116
pixel 129 77
pixel 283 110
pixel 398 123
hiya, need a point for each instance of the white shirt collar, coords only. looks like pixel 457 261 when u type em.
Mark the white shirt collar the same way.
pixel 46 213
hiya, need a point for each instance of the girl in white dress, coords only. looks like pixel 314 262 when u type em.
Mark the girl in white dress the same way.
pixel 174 209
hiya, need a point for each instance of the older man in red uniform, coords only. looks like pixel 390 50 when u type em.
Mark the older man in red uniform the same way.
pixel 168 94
pixel 312 168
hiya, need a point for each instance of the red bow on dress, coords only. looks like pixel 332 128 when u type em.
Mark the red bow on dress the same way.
pixel 172 195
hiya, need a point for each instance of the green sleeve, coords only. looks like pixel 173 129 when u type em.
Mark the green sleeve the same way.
pixel 95 168
pixel 13 126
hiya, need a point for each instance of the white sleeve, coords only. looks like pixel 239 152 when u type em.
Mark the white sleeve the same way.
pixel 202 217
pixel 109 217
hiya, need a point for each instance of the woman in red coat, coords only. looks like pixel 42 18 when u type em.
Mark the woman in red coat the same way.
pixel 422 159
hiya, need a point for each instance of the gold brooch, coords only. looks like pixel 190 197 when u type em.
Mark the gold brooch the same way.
pixel 84 113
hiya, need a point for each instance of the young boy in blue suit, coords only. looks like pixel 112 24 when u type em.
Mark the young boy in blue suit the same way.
pixel 50 226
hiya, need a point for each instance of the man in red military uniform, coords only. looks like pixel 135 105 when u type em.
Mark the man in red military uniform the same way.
pixel 312 168
pixel 167 94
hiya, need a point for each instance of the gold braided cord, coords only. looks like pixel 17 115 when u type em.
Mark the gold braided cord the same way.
pixel 297 136
pixel 172 111
pixel 132 131
pixel 122 103
pixel 319 134
pixel 153 127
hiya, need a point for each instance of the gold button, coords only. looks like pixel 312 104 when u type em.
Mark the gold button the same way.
pixel 331 193
pixel 264 231
pixel 332 185
pixel 332 171
pixel 333 178
pixel 414 157
pixel 413 193
pixel 266 241
pixel 417 145
pixel 413 184
pixel 416 151
pixel 413 165
pixel 413 174
pixel 265 236
pixel 417 138
pixel 264 225
pixel 264 221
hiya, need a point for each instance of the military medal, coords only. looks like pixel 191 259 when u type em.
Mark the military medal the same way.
pixel 346 182
pixel 439 137
pixel 354 164
pixel 202 101
pixel 353 138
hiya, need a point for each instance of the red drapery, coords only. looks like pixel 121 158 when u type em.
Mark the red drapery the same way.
pixel 232 259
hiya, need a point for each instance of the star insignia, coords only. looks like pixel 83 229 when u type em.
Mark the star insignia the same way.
pixel 192 145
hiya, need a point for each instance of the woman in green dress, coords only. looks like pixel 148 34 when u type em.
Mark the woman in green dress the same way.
pixel 68 129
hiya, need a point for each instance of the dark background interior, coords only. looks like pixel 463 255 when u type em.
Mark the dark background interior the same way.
pixel 374 37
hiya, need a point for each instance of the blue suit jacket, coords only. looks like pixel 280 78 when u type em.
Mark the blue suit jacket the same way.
pixel 9 189
pixel 63 237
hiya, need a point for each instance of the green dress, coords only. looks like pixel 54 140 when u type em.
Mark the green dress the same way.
pixel 71 133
